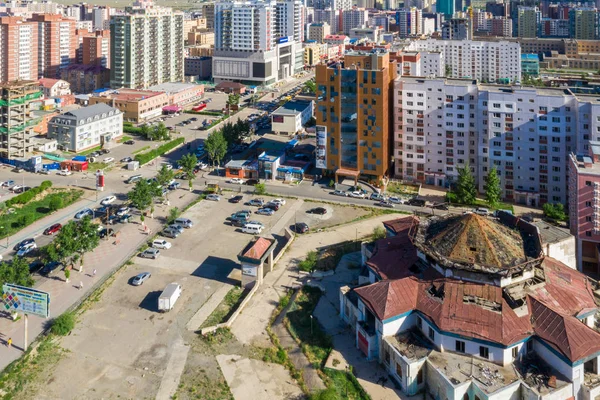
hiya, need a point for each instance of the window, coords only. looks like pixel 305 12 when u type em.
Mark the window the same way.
pixel 588 183
pixel 431 334
pixel 529 347
pixel 420 377
pixel 460 346
pixel 588 203
pixel 419 323
pixel 399 370
pixel 515 352
pixel 386 356
pixel 484 352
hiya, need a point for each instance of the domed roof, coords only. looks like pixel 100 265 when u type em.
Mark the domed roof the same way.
pixel 473 239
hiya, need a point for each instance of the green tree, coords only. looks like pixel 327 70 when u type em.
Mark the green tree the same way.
pixel 555 211
pixel 492 188
pixel 232 100
pixel 16 272
pixel 56 203
pixel 159 132
pixel 67 275
pixel 143 193
pixel 63 324
pixel 378 233
pixel 260 189
pixel 311 86
pixel 145 131
pixel 188 163
pixel 75 239
pixel 466 193
pixel 216 147
pixel 174 213
pixel 165 175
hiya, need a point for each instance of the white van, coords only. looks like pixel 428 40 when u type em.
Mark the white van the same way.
pixel 252 228
pixel 186 223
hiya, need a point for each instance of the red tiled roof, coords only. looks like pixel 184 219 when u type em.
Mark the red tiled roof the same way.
pixel 258 249
pixel 565 333
pixel 399 225
pixel 393 257
pixel 336 37
pixel 48 82
pixel 390 298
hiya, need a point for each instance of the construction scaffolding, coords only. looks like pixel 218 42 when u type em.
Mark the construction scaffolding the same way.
pixel 16 121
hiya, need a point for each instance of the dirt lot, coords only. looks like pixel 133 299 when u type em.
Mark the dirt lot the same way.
pixel 336 214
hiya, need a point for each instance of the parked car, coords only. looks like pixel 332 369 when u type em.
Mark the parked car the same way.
pixel 106 232
pixel 236 199
pixel 133 179
pixel 8 183
pixel 26 249
pixel 50 267
pixel 126 159
pixel 281 202
pixel 177 227
pixel 237 181
pixel 256 202
pixel 52 229
pixel 108 200
pixel 23 243
pixel 386 204
pixel 184 222
pixel 272 206
pixel 170 233
pixel 339 193
pixel 440 206
pixel 139 279
pixel 377 197
pixel 84 213
pixel 482 211
pixel 108 160
pixel 416 202
pixel 161 244
pixel 265 211
pixel 129 142
pixel 122 211
pixel 317 210
pixel 104 151
pixel 21 189
pixel 35 266
pixel 213 197
pixel 395 200
pixel 357 194
pixel 300 227
pixel 174 185
pixel 64 172
pixel 150 253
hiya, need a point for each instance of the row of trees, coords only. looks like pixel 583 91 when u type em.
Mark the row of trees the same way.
pixel 156 132
pixel 466 189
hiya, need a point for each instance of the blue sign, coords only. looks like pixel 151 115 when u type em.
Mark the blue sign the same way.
pixel 284 39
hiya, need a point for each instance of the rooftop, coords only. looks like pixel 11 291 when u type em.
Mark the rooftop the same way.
pixel 293 107
pixel 551 233
pixel 459 369
pixel 173 87
pixel 473 241
pixel 89 111
pixel 48 82
pixel 538 375
pixel 411 344
pixel 129 94
pixel 585 164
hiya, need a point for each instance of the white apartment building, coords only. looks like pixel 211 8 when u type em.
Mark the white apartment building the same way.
pixel 498 61
pixel 147 47
pixel 420 63
pixel 86 127
pixel 258 42
pixel 526 133
pixel 354 18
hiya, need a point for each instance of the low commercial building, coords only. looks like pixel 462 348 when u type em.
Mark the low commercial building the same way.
pixel 530 64
pixel 372 35
pixel 86 127
pixel 198 66
pixel 291 117
pixel 231 87
pixel 180 94
pixel 136 105
pixel 54 87
pixel 242 168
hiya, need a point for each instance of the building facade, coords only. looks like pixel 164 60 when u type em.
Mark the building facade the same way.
pixel 528 21
pixel 137 106
pixel 17 121
pixel 318 30
pixel 583 23
pixel 57 44
pixel 19 49
pixel 353 113
pixel 87 127
pixel 137 61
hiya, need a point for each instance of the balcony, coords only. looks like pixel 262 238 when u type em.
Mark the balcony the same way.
pixel 449 144
pixel 543 179
pixel 449 136
pixel 508 187
pixel 509 167
pixel 420 151
pixel 543 151
pixel 543 141
pixel 543 160
pixel 508 119
pixel 420 124
pixel 508 147
pixel 420 115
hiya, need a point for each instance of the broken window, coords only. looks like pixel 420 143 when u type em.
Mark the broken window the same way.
pixel 515 352
pixel 484 352
pixel 460 346
pixel 399 370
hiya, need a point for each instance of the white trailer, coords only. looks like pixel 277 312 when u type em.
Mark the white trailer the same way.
pixel 169 296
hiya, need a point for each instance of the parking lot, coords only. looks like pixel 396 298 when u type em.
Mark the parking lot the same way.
pixel 123 345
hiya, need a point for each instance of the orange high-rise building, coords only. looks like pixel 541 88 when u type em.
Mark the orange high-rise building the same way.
pixel 18 49
pixel 57 45
pixel 95 49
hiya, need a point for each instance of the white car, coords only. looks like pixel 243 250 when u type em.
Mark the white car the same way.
pixel 357 195
pixel 281 202
pixel 213 197
pixel 108 160
pixel 169 166
pixel 64 172
pixel 122 211
pixel 237 181
pixel 108 200
pixel 16 187
pixel 395 200
pixel 161 244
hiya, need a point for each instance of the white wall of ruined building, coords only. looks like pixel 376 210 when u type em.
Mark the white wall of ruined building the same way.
pixel 573 374
pixel 410 369
pixel 563 251
pixel 441 388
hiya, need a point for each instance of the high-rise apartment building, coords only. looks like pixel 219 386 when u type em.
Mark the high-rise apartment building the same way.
pixel 528 21
pixel 18 49
pixel 329 15
pixel 354 18
pixel 457 29
pixel 95 49
pixel 500 27
pixel 147 47
pixel 353 115
pixel 408 21
pixel 526 133
pixel 497 61
pixel 583 23
pixel 258 42
pixel 318 30
pixel 208 12
pixel 16 120
pixel 57 44
pixel 446 7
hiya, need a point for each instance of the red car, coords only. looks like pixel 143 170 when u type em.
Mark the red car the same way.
pixel 51 230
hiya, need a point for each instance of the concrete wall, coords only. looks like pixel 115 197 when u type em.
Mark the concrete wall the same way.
pixel 393 326
pixel 572 373
pixel 564 251
pixel 440 388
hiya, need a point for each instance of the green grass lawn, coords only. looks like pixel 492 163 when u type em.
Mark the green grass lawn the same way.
pixel 125 138
pixel 225 309
pixel 344 384
pixel 316 344
pixel 141 149
pixel 398 188
pixel 85 153
pixel 35 210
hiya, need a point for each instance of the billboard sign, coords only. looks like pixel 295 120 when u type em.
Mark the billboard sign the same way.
pixel 284 39
pixel 15 298
pixel 321 157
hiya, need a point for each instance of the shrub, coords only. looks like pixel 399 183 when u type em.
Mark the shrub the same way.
pixel 29 195
pixel 260 189
pixel 212 113
pixel 378 233
pixel 310 263
pixel 25 220
pixel 173 215
pixel 56 203
pixel 63 324
pixel 144 158
pixel 555 211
